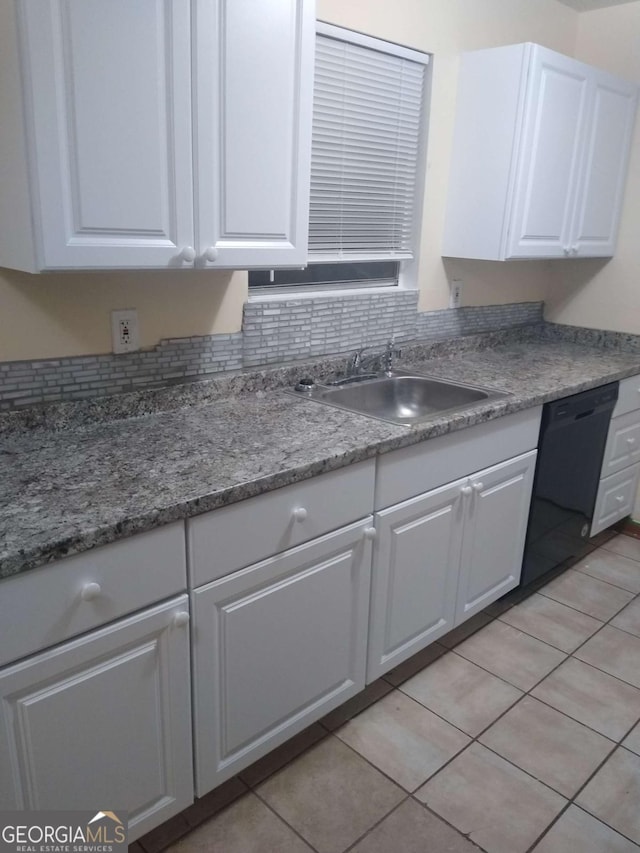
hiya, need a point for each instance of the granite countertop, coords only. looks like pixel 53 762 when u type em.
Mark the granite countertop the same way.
pixel 68 490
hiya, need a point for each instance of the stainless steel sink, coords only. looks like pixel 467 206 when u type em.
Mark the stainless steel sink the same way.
pixel 401 397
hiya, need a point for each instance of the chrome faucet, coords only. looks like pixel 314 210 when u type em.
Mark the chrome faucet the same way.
pixel 386 358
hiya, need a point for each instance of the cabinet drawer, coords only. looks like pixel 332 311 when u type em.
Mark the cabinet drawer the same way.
pixel 628 396
pixel 623 444
pixel 616 496
pixel 413 470
pixel 236 536
pixel 44 606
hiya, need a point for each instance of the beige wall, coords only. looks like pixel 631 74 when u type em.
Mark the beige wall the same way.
pixel 606 294
pixel 54 315
pixel 58 315
pixel 446 28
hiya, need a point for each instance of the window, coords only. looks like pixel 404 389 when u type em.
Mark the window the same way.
pixel 368 150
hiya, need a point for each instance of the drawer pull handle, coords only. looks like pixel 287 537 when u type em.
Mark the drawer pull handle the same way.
pixel 620 498
pixel 370 533
pixel 181 619
pixel 466 490
pixel 90 591
pixel 478 487
pixel 299 514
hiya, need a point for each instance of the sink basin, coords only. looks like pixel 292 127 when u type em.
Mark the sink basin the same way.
pixel 402 397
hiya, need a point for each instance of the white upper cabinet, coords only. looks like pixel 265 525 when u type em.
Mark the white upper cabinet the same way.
pixel 254 97
pixel 540 156
pixel 160 133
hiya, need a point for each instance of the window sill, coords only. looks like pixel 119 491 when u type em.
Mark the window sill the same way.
pixel 282 294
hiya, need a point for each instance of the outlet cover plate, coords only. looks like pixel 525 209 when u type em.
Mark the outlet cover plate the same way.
pixel 455 293
pixel 124 330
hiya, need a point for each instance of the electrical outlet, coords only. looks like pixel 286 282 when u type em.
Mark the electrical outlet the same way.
pixel 124 330
pixel 455 293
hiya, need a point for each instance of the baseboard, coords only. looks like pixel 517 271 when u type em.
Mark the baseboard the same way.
pixel 630 528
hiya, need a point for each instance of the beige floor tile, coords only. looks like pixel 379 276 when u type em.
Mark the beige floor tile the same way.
pixel 372 692
pixel 629 618
pixel 612 568
pixel 404 739
pixel 413 829
pixel 499 807
pixel 589 595
pixel 625 545
pixel 461 692
pixel 576 831
pixel 414 664
pixel 453 638
pixel 508 653
pixel 632 741
pixel 613 795
pixel 248 826
pixel 330 795
pixel 552 622
pixel 277 758
pixel 550 746
pixel 615 652
pixel 592 697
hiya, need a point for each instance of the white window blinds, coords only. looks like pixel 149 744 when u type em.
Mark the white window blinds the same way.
pixel 366 147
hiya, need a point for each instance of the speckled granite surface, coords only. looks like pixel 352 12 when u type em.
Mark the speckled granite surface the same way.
pixel 63 491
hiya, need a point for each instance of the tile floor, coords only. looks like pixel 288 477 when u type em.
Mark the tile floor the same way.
pixel 517 732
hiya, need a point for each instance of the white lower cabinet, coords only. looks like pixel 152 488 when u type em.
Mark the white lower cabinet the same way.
pixel 495 527
pixel 443 556
pixel 103 721
pixel 277 645
pixel 620 473
pixel 414 578
pixel 616 498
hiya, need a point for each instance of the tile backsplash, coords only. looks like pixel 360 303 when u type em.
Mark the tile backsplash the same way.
pixel 273 331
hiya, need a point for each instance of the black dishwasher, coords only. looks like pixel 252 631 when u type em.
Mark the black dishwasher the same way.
pixel 573 434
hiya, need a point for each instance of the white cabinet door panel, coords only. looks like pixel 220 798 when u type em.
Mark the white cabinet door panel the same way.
pixel 494 533
pixel 277 645
pixel 102 719
pixel 111 130
pixel 605 165
pixel 414 576
pixel 254 74
pixel 548 163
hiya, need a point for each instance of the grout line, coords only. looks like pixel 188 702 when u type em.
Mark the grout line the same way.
pixel 610 582
pixel 280 818
pixel 376 824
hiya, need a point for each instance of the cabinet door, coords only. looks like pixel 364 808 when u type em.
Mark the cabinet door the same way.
pixel 110 90
pixel 276 646
pixel 495 527
pixel 254 96
pixel 604 166
pixel 548 156
pixel 102 719
pixel 414 577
